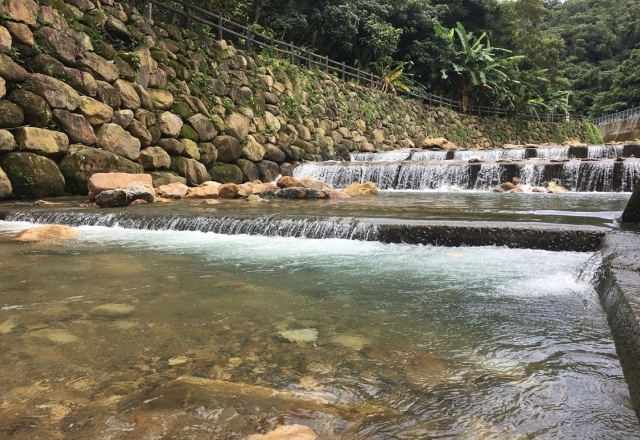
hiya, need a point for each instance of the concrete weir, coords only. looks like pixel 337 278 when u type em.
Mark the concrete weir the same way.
pixel 618 286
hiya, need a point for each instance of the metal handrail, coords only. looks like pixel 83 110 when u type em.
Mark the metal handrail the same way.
pixel 192 16
pixel 617 117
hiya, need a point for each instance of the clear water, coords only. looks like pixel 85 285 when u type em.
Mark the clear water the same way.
pixel 404 342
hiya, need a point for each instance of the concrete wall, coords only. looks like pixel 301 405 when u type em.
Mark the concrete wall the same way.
pixel 621 131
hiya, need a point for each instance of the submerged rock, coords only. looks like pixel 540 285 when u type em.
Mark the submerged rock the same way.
pixel 113 310
pixel 300 335
pixel 46 233
pixel 361 189
pixel 296 193
pixel 288 432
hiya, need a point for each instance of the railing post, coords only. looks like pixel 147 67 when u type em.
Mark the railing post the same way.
pixel 148 8
pixel 358 76
pixel 291 52
pixel 187 17
pixel 371 79
pixel 343 71
pixel 220 27
pixel 247 40
pixel 309 59
pixel 326 64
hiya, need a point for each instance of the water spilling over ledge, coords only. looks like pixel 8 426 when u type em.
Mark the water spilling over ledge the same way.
pixel 605 175
pixel 437 233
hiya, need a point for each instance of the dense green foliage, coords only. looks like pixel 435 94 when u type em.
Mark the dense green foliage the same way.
pixel 521 54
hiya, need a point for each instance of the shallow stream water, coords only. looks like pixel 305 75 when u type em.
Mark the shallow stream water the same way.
pixel 166 334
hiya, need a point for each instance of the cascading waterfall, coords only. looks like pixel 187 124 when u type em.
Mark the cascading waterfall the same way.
pixel 604 151
pixel 388 156
pixel 595 176
pixel 532 174
pixel 630 175
pixel 490 175
pixel 433 176
pixel 553 152
pixel 571 174
pixel 341 175
pixel 511 153
pixel 429 155
pixel 269 226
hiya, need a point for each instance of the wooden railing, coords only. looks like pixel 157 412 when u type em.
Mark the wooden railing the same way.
pixel 188 16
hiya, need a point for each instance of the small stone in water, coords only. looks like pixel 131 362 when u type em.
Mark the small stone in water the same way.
pixel 355 342
pixel 289 432
pixel 7 326
pixel 113 310
pixel 179 360
pixel 301 335
pixel 55 335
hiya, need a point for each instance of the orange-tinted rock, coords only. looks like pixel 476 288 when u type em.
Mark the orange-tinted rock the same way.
pixel 361 189
pixel 174 190
pixel 288 182
pixel 228 191
pixel 107 181
pixel 46 233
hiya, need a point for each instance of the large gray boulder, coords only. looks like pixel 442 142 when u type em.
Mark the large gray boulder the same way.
pixel 267 170
pixel 225 173
pixel 113 138
pixel 37 112
pixel 75 126
pixel 5 185
pixel 229 148
pixel 41 141
pixel 190 169
pixel 203 126
pixel 631 212
pixel 32 176
pixel 55 92
pixel 249 170
pixel 81 162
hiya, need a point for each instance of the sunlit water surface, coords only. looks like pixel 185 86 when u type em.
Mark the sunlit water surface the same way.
pixel 143 334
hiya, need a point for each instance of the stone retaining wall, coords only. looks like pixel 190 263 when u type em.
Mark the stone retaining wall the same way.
pixel 619 290
pixel 91 86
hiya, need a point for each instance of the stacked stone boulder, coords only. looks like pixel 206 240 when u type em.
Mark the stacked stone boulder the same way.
pixel 93 87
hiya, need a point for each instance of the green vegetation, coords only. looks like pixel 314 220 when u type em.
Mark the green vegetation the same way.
pixel 543 55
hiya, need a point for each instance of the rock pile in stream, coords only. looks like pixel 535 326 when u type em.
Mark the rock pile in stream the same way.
pixel 93 87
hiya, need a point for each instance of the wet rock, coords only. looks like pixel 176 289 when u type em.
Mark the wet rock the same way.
pixel 204 192
pixel 190 169
pixel 361 189
pixel 32 176
pixel 81 162
pixel 113 138
pixel 76 127
pixel 288 182
pixel 288 432
pixel 46 233
pixel 554 188
pixel 296 193
pixel 267 170
pixel 174 190
pixel 225 173
pixel 351 341
pixel 228 191
pixel 313 183
pixel 95 112
pixel 55 92
pixel 37 112
pixel 537 189
pixel 100 182
pixel 113 310
pixel 123 196
pixel 300 335
pixel 497 189
pixel 631 212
